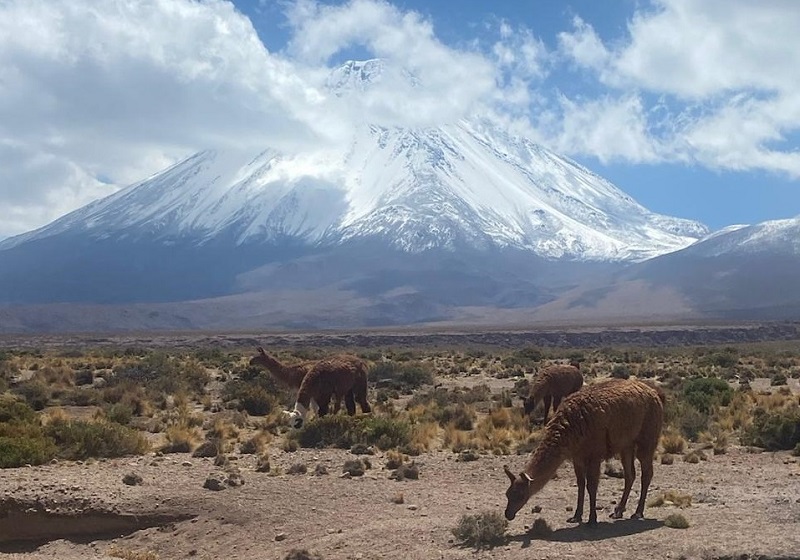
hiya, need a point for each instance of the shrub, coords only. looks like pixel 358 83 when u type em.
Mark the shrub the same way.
pixel 119 413
pixel 252 398
pixel 620 372
pixel 460 415
pixel 345 431
pixel 12 409
pixel 774 430
pixel 482 530
pixel 672 442
pixel 403 377
pixel 725 359
pixel 704 392
pixel 77 439
pixel 676 521
pixel 35 393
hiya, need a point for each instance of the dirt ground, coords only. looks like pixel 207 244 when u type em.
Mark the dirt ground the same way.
pixel 743 503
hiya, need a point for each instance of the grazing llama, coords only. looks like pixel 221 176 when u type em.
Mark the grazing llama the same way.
pixel 552 385
pixel 332 376
pixel 292 375
pixel 615 417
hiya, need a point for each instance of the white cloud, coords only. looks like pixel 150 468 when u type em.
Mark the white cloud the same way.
pixel 727 69
pixel 444 83
pixel 607 128
pixel 584 46
pixel 96 95
pixel 109 91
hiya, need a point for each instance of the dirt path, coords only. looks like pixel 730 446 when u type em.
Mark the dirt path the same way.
pixel 742 503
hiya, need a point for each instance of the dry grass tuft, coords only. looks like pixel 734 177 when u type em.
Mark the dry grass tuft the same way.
pixel 130 554
pixel 676 521
pixel 481 530
pixel 671 498
pixel 672 442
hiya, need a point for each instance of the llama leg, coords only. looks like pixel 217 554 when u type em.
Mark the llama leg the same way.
pixel 324 402
pixel 646 462
pixel 556 402
pixel 350 402
pixel 360 394
pixel 592 482
pixel 629 470
pixel 337 403
pixel 580 477
pixel 547 400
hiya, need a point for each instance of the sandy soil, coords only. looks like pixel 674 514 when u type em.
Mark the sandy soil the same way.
pixel 742 504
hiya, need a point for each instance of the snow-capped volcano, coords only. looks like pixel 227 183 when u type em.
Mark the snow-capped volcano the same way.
pixel 464 184
pixel 392 226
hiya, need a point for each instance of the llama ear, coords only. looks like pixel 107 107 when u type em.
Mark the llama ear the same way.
pixel 260 350
pixel 509 473
pixel 526 476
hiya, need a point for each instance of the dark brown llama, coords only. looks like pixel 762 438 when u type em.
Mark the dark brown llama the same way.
pixel 332 376
pixel 552 385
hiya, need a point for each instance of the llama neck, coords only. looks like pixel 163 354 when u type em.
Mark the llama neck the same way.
pixel 291 375
pixel 305 395
pixel 545 461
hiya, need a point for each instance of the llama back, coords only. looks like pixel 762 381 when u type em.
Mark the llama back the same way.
pixel 611 413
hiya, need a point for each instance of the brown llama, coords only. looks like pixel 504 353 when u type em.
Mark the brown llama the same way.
pixel 617 417
pixel 339 375
pixel 292 375
pixel 552 385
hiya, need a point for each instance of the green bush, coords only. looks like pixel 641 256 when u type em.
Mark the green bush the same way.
pixel 13 409
pixel 35 393
pixel 703 393
pixel 22 441
pixel 620 372
pixel 482 530
pixel 460 414
pixel 329 431
pixel 773 430
pixel 119 413
pixel 160 373
pixel 78 439
pixel 403 377
pixel 345 431
pixel 726 359
pixel 27 450
pixel 253 398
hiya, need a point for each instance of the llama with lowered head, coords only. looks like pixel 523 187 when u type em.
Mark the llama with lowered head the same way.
pixel 292 375
pixel 612 418
pixel 552 385
pixel 332 376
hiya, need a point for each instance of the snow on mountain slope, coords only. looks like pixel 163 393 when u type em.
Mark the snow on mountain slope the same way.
pixel 467 184
pixel 780 237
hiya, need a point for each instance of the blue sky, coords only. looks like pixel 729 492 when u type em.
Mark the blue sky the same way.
pixel 691 106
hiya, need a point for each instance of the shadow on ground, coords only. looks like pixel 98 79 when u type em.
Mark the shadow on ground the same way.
pixel 602 531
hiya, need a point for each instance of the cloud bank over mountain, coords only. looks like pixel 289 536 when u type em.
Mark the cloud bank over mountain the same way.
pixel 98 95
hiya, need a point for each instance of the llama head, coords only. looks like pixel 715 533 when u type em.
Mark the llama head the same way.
pixel 260 359
pixel 518 493
pixel 297 417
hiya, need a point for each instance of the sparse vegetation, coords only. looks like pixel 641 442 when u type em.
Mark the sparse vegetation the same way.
pixel 481 530
pixel 676 521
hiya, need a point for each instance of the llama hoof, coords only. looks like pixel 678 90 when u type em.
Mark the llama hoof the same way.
pixel 637 515
pixel 616 515
pixel 574 519
pixel 592 523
